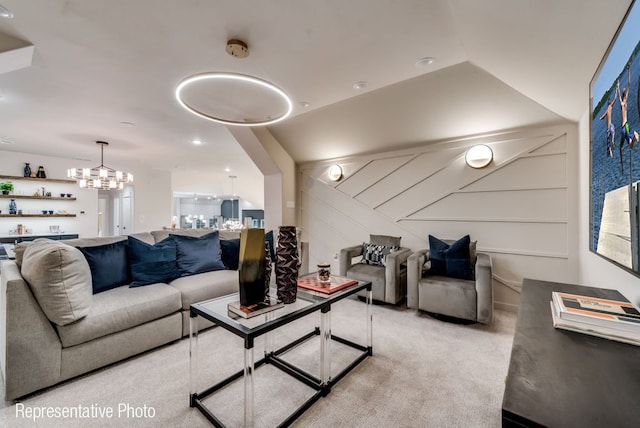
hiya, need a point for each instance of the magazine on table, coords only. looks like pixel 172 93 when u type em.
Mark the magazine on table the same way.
pixel 593 330
pixel 255 309
pixel 336 283
pixel 618 314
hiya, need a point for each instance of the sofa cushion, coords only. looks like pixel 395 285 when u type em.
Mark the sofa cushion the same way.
pixel 205 286
pixel 152 263
pixel 198 255
pixel 93 242
pixel 160 235
pixel 60 279
pixel 109 265
pixel 119 309
pixel 376 254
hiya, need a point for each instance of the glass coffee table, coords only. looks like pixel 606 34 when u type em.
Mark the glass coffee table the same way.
pixel 249 329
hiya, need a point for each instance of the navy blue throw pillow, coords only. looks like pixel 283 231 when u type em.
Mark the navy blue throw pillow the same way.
pixel 230 253
pixel 458 259
pixel 152 263
pixel 198 255
pixel 451 260
pixel 437 255
pixel 109 265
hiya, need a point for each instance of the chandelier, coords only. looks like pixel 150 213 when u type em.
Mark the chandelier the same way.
pixel 100 177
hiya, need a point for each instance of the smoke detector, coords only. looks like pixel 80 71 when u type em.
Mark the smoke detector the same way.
pixel 237 48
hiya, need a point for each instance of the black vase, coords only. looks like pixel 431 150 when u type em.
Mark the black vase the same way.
pixel 267 269
pixel 251 267
pixel 27 169
pixel 41 173
pixel 287 264
pixel 13 209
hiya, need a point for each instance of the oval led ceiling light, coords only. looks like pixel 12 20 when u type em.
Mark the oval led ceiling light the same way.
pixel 5 13
pixel 479 156
pixel 335 173
pixel 234 78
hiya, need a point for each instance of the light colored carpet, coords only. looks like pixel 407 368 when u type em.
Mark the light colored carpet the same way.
pixel 424 373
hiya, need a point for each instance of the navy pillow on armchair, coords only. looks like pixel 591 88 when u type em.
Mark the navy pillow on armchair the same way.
pixel 437 256
pixel 451 260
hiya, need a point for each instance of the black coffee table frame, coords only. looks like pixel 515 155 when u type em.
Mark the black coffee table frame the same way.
pixel 211 310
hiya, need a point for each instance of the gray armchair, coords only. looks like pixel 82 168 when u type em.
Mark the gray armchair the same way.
pixel 388 282
pixel 459 298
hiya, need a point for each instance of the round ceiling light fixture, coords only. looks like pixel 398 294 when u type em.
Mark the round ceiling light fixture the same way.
pixel 237 48
pixel 479 156
pixel 359 85
pixel 235 78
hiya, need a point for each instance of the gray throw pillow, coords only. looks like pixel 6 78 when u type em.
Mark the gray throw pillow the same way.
pixel 60 279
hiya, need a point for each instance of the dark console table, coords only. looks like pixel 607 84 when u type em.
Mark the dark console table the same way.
pixel 561 378
pixel 14 239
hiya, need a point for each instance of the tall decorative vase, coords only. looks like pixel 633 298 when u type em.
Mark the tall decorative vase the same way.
pixel 27 169
pixel 13 209
pixel 267 269
pixel 287 264
pixel 41 173
pixel 251 267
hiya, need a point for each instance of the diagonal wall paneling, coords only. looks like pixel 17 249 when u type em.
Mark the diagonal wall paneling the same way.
pixel 518 208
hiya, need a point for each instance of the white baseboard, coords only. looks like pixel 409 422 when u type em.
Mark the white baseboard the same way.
pixel 509 307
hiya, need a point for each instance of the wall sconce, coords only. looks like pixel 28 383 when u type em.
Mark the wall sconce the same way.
pixel 335 173
pixel 479 156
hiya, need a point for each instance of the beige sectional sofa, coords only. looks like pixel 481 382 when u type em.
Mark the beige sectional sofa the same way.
pixel 99 329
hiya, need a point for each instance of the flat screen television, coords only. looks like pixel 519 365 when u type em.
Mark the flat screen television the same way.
pixel 615 149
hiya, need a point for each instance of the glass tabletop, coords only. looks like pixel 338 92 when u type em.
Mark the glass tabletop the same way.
pixel 216 310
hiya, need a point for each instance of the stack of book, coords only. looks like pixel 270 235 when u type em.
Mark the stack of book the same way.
pixel 610 319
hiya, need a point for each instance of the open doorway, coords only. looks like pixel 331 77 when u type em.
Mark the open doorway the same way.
pixel 115 212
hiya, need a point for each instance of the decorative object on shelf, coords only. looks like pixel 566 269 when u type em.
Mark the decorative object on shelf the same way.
pixel 100 177
pixel 287 264
pixel 251 267
pixel 6 187
pixel 48 194
pixel 324 272
pixel 27 169
pixel 41 173
pixel 267 269
pixel 13 209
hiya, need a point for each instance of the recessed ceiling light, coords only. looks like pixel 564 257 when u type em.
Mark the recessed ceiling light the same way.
pixel 227 169
pixel 127 123
pixel 360 85
pixel 197 142
pixel 6 142
pixel 5 13
pixel 425 62
pixel 304 104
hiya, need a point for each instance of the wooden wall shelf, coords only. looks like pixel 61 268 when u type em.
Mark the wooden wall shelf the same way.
pixel 37 215
pixel 48 198
pixel 52 180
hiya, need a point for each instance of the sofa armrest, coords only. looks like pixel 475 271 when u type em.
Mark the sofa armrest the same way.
pixel 415 264
pixel 395 279
pixel 484 288
pixel 31 350
pixel 346 257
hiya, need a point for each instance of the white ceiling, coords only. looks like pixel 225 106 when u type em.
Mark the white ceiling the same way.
pixel 499 64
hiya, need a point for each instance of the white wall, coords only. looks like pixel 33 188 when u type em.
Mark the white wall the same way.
pixel 521 209
pixel 596 271
pixel 152 196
